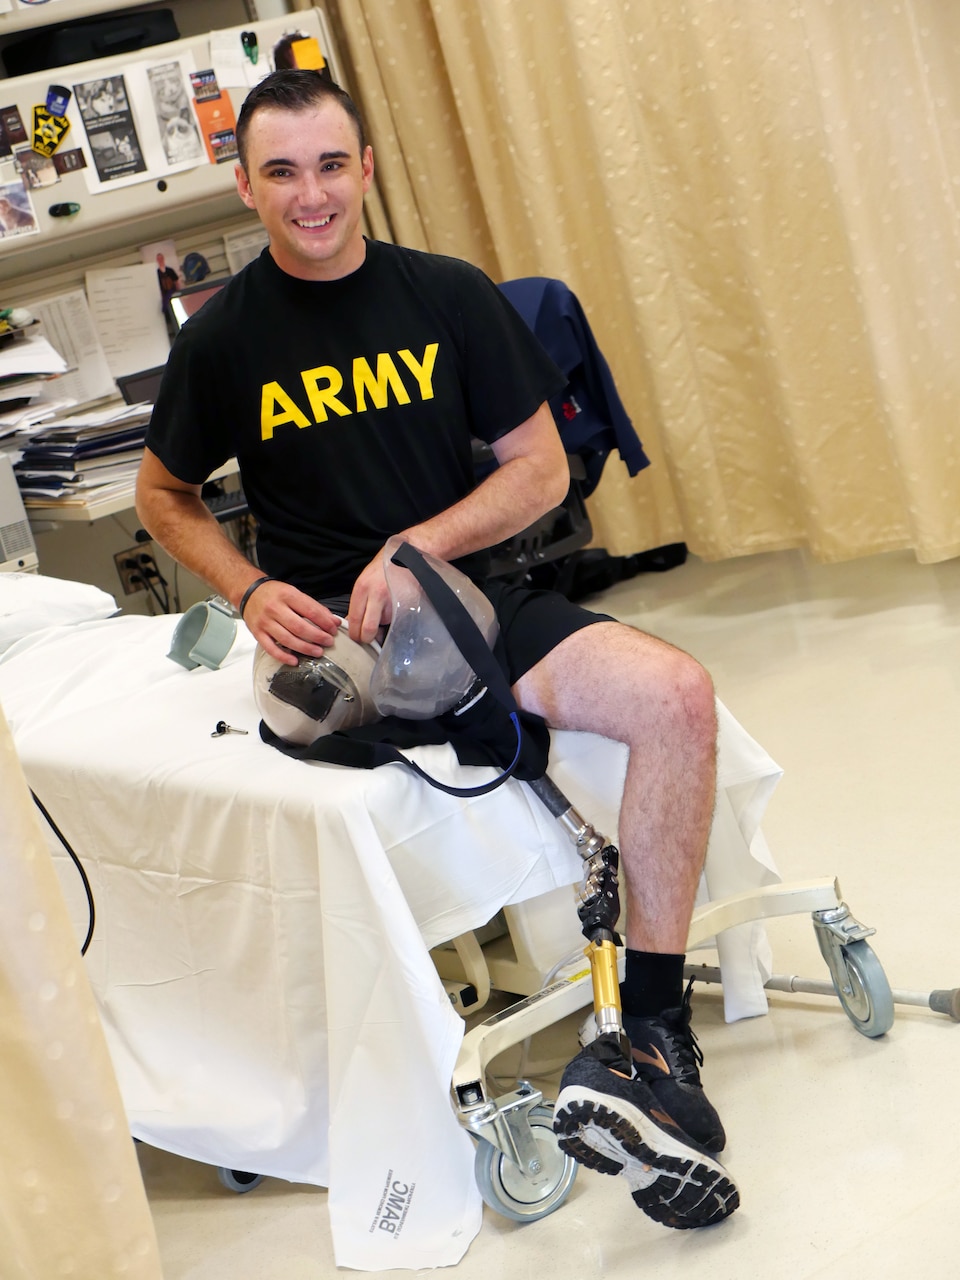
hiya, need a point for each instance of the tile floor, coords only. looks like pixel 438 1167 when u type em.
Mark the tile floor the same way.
pixel 846 1150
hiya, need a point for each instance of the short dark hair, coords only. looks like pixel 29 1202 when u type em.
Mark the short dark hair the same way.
pixel 294 89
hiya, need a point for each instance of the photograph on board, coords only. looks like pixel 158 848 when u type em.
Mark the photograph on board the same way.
pixel 35 170
pixel 179 134
pixel 105 111
pixel 17 216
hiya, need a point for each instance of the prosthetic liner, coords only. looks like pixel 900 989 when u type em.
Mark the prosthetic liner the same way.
pixel 418 673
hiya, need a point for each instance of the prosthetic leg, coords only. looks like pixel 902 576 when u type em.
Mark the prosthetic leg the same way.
pixel 599 908
pixel 520 1170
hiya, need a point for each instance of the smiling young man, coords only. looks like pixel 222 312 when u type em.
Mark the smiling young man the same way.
pixel 310 204
pixel 348 376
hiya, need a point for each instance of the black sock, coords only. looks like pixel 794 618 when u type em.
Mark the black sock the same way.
pixel 653 981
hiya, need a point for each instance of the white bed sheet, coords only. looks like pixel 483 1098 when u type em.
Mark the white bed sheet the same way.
pixel 261 954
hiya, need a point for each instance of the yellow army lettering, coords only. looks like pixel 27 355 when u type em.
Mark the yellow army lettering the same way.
pixel 324 386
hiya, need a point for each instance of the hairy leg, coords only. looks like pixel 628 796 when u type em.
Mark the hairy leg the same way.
pixel 611 679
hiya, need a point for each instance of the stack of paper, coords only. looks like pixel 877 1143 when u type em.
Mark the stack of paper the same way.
pixel 65 321
pixel 25 365
pixel 84 457
pixel 25 417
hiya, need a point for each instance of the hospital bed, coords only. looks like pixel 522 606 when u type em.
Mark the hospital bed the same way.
pixel 269 932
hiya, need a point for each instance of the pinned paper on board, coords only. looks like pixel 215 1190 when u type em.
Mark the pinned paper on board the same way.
pixel 306 54
pixel 229 60
pixel 11 127
pixel 35 170
pixel 140 125
pixel 68 326
pixel 69 161
pixel 164 255
pixel 179 135
pixel 243 246
pixel 17 214
pixel 218 122
pixel 128 313
pixel 104 106
pixel 297 50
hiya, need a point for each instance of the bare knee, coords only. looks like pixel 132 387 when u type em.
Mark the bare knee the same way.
pixel 617 681
pixel 690 700
pixel 663 693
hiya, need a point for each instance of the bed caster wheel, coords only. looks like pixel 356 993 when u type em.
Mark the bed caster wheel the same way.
pixel 520 1196
pixel 238 1181
pixel 865 992
pixel 857 975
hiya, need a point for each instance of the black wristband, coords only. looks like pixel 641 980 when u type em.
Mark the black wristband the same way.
pixel 257 582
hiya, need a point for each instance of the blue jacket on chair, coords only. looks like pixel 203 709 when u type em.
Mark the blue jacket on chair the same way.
pixel 589 412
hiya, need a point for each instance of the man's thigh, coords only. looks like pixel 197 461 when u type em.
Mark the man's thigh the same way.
pixel 533 623
pixel 608 678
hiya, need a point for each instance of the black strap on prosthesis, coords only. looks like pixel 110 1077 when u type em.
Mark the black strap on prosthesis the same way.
pixel 490 728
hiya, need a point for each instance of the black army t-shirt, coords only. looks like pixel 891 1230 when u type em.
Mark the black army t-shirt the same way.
pixel 349 404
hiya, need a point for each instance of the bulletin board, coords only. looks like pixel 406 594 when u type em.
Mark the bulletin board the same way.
pixel 145 138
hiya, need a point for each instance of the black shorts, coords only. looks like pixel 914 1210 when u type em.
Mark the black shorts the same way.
pixel 533 623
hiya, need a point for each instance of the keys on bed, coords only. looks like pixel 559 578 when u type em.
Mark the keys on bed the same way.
pixel 223 727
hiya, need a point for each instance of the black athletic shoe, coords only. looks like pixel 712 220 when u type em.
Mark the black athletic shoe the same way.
pixel 666 1057
pixel 616 1125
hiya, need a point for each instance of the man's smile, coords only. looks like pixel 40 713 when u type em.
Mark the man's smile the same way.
pixel 307 181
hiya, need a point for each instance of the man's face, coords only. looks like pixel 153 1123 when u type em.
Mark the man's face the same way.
pixel 306 180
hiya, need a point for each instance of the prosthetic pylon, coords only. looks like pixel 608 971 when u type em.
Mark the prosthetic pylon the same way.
pixel 599 908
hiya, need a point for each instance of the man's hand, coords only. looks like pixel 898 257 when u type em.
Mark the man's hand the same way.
pixel 284 619
pixel 371 605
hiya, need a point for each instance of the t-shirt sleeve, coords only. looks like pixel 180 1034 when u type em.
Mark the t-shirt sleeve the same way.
pixel 508 372
pixel 189 429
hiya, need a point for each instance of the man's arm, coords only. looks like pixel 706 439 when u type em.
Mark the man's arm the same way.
pixel 532 478
pixel 280 617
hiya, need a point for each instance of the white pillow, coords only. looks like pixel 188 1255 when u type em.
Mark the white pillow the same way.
pixel 29 602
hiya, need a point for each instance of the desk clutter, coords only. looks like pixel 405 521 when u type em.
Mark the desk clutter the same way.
pixel 67 359
pixel 28 362
pixel 60 455
pixel 74 458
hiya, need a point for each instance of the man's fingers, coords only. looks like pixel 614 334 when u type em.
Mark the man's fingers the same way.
pixel 370 603
pixel 277 651
pixel 284 619
pixel 364 625
pixel 285 644
pixel 303 631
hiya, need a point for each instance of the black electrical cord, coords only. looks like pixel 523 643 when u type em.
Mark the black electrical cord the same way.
pixel 151 577
pixel 83 875
pixel 146 577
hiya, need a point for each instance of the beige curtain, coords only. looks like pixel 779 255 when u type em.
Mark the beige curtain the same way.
pixel 757 206
pixel 72 1201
